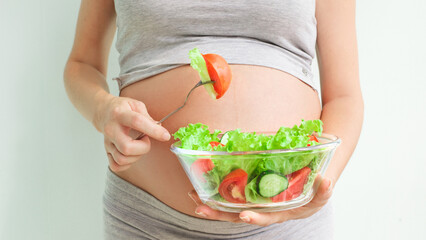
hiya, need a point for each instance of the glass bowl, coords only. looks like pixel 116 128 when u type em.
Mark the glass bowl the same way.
pixel 262 181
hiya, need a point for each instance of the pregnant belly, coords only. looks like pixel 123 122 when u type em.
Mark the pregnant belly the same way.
pixel 258 99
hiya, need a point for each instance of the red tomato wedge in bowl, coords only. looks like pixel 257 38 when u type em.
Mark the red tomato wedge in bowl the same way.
pixel 219 72
pixel 233 185
pixel 215 144
pixel 313 138
pixel 201 166
pixel 296 182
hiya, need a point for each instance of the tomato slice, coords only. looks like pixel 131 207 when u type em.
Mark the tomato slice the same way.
pixel 233 185
pixel 215 144
pixel 296 181
pixel 201 166
pixel 219 72
pixel 312 138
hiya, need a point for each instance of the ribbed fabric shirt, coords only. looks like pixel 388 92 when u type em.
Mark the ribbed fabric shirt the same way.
pixel 154 36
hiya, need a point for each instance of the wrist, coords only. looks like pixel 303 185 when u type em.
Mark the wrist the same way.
pixel 102 100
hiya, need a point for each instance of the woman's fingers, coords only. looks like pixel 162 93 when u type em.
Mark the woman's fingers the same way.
pixel 206 212
pixel 121 159
pixel 117 160
pixel 130 147
pixel 120 118
pixel 263 219
pixel 143 124
pixel 194 196
pixel 320 199
pixel 114 166
pixel 323 194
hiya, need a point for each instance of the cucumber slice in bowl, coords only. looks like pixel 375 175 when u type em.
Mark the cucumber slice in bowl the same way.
pixel 270 183
pixel 224 138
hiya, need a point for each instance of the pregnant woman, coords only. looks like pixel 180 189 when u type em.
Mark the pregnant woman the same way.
pixel 269 45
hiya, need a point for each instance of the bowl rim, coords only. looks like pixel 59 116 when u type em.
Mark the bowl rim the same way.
pixel 334 142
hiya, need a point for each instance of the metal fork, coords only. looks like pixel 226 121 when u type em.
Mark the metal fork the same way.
pixel 179 108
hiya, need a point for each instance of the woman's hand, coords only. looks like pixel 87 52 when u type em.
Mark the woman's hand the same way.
pixel 264 219
pixel 115 118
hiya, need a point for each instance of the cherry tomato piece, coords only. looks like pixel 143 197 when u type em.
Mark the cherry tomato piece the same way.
pixel 219 72
pixel 312 138
pixel 233 185
pixel 215 144
pixel 296 182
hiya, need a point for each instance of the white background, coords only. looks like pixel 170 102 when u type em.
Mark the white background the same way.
pixel 52 162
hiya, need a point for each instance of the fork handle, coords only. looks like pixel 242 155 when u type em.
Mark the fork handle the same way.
pixel 140 136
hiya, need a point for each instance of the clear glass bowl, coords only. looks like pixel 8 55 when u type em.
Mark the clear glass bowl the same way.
pixel 214 166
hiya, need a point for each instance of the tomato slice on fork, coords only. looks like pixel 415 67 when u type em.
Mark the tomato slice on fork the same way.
pixel 219 72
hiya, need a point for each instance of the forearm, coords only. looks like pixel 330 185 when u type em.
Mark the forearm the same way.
pixel 86 88
pixel 343 117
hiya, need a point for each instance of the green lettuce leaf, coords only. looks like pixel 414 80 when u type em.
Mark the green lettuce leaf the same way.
pixel 295 137
pixel 285 163
pixel 196 137
pixel 243 141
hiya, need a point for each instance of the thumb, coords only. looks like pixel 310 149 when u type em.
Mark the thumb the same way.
pixel 194 196
pixel 323 194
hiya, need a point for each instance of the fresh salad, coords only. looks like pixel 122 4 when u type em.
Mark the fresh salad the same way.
pixel 253 178
pixel 212 67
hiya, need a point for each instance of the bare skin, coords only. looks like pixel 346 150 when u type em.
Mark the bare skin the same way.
pixel 259 99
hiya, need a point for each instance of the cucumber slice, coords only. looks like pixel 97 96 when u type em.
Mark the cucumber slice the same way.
pixel 224 139
pixel 270 183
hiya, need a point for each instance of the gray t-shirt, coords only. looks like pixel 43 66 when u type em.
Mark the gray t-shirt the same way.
pixel 156 35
